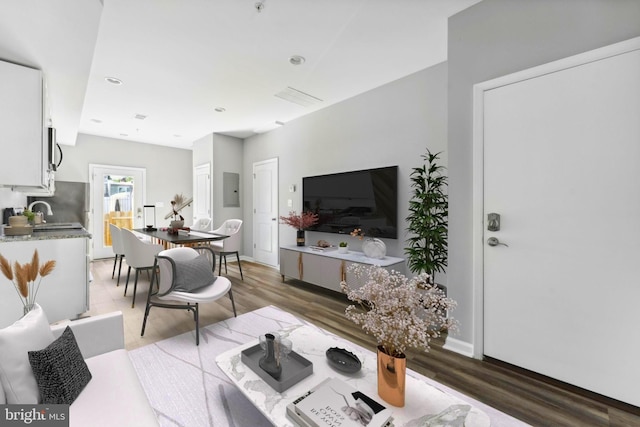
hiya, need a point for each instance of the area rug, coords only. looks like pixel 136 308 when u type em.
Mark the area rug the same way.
pixel 187 389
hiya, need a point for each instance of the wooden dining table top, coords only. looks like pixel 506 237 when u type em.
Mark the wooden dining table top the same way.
pixel 193 236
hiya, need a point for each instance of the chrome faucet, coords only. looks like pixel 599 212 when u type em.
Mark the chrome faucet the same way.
pixel 49 211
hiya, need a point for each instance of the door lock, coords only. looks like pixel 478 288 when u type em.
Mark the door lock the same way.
pixel 493 222
pixel 493 241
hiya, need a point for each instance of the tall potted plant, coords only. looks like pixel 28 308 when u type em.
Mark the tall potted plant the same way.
pixel 428 218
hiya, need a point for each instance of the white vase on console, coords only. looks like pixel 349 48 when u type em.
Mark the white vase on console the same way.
pixel 374 248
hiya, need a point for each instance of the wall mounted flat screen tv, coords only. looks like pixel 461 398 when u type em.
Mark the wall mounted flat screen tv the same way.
pixel 365 199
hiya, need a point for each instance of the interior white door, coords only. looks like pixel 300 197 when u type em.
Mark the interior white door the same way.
pixel 202 198
pixel 265 212
pixel 117 196
pixel 562 168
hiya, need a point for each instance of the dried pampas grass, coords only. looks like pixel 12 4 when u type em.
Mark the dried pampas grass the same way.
pixel 24 276
pixel 5 266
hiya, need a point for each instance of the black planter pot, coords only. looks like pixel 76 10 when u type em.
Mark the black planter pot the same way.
pixel 300 237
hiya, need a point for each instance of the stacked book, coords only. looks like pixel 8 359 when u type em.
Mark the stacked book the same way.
pixel 334 403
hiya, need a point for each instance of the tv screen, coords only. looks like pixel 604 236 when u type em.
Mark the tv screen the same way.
pixel 365 199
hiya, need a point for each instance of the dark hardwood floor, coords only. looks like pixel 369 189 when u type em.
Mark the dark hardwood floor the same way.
pixel 529 397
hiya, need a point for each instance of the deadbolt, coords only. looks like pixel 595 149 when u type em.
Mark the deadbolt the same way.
pixel 493 222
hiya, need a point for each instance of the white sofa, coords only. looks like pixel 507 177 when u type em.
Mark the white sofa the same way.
pixel 114 396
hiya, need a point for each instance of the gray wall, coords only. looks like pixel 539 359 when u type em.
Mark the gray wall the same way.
pixel 224 153
pixel 169 170
pixel 390 125
pixel 491 39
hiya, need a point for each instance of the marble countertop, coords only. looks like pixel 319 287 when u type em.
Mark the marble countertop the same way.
pixel 353 256
pixel 67 233
pixel 425 404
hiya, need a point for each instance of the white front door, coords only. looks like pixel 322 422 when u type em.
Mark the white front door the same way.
pixel 265 212
pixel 202 198
pixel 562 169
pixel 117 197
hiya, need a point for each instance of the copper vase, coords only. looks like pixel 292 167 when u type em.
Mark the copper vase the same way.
pixel 392 374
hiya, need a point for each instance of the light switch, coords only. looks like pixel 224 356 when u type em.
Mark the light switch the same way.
pixel 289 203
pixel 160 204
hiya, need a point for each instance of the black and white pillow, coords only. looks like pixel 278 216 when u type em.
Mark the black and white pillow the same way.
pixel 60 370
pixel 193 274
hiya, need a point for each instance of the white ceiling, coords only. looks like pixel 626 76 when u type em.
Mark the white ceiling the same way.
pixel 181 59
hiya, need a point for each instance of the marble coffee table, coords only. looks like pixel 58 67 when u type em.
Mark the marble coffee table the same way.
pixel 425 404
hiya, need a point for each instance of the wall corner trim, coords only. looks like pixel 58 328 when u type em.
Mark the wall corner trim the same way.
pixel 458 346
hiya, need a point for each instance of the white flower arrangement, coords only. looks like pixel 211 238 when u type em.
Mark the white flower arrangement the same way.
pixel 399 312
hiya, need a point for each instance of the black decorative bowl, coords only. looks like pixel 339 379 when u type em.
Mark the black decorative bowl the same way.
pixel 343 360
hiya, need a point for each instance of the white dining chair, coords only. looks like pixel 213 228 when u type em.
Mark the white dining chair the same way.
pixel 229 246
pixel 140 256
pixel 118 249
pixel 202 224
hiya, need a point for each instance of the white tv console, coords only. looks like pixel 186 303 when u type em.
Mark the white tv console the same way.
pixel 328 268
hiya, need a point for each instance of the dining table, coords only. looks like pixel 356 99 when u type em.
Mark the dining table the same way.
pixel 181 238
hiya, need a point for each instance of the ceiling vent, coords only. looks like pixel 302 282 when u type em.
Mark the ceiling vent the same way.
pixel 140 116
pixel 298 97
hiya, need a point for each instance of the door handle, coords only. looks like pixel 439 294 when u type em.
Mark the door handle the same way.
pixel 493 241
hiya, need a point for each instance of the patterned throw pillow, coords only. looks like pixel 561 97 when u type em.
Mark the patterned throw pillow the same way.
pixel 193 274
pixel 60 370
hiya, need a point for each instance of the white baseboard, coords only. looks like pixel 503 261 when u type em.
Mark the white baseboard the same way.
pixel 461 347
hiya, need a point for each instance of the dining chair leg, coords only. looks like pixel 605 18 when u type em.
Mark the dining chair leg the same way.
pixel 135 287
pixel 126 285
pixel 115 261
pixel 119 270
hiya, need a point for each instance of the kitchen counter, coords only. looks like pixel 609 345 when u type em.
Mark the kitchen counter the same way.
pixel 64 293
pixel 63 233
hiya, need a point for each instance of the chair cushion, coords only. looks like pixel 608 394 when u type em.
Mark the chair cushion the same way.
pixel 32 332
pixel 114 396
pixel 193 274
pixel 60 370
pixel 220 287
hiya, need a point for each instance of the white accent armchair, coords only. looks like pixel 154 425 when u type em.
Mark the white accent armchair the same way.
pixel 182 285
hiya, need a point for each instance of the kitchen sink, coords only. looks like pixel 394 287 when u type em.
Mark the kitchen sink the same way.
pixel 57 226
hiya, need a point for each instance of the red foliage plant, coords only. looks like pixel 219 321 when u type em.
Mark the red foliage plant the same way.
pixel 300 222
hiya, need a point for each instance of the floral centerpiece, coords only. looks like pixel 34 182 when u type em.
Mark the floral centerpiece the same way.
pixel 26 278
pixel 300 223
pixel 400 313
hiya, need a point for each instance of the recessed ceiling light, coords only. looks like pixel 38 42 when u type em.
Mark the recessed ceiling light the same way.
pixel 96 120
pixel 175 135
pixel 124 134
pixel 113 80
pixel 296 60
pixel 220 110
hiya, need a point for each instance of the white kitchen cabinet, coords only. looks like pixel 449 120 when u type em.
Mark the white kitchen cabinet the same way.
pixel 327 269
pixel 63 294
pixel 23 131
